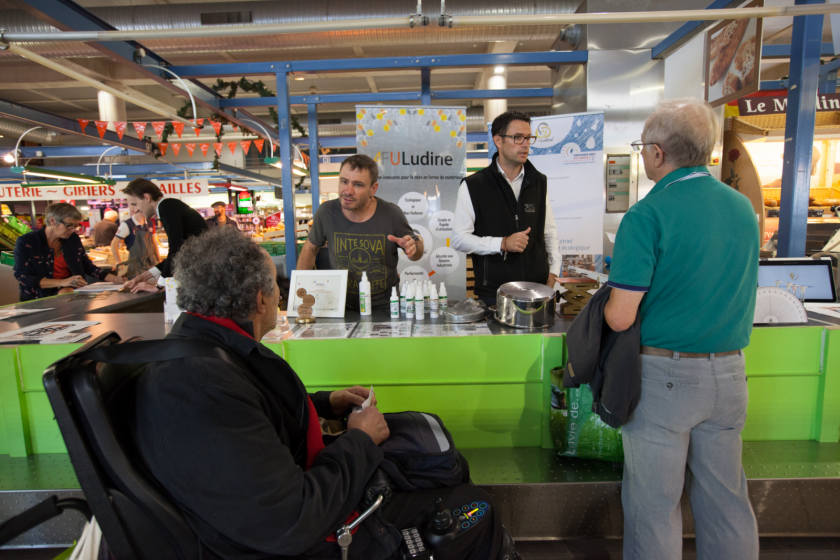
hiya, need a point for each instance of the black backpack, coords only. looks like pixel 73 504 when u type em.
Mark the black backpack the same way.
pixel 420 453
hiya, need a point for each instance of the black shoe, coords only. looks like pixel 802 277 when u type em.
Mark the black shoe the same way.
pixel 508 549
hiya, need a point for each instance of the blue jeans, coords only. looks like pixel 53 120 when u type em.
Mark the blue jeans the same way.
pixel 691 412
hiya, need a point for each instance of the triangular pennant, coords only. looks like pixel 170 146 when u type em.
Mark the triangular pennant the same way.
pixel 120 128
pixel 245 145
pixel 218 147
pixel 163 146
pixel 190 148
pixel 83 123
pixel 236 128
pixel 217 126
pixel 101 126
pixel 158 126
pixel 175 149
pixel 179 128
pixel 204 148
pixel 198 124
pixel 232 147
pixel 259 144
pixel 139 128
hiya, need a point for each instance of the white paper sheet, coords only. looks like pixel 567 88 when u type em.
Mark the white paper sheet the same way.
pixel 367 403
pixel 396 329
pixel 101 287
pixel 452 329
pixel 830 309
pixel 42 332
pixel 324 330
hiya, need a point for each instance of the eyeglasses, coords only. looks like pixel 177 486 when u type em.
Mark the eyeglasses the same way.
pixel 73 228
pixel 518 138
pixel 638 145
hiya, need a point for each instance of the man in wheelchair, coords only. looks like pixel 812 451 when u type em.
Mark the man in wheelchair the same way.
pixel 238 445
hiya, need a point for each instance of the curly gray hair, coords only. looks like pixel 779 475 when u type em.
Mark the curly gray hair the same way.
pixel 220 272
pixel 686 129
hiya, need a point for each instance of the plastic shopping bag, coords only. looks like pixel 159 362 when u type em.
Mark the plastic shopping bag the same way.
pixel 88 546
pixel 575 429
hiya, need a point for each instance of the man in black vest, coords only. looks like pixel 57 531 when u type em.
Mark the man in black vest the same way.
pixel 503 215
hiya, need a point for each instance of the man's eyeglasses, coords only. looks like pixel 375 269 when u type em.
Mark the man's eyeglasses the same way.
pixel 638 145
pixel 68 226
pixel 518 138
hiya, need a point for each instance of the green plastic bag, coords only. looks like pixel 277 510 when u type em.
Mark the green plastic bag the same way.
pixel 575 429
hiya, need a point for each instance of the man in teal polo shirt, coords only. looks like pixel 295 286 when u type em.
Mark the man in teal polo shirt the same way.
pixel 686 258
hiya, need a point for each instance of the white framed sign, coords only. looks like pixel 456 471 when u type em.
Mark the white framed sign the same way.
pixel 173 189
pixel 328 287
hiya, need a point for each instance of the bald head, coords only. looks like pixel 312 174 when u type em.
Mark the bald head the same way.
pixel 686 129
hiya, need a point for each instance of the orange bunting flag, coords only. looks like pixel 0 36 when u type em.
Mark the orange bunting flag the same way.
pixel 259 144
pixel 198 123
pixel 190 148
pixel 236 128
pixel 163 146
pixel 179 128
pixel 204 148
pixel 158 126
pixel 217 126
pixel 139 128
pixel 232 147
pixel 83 123
pixel 246 144
pixel 120 128
pixel 218 147
pixel 101 126
pixel 175 149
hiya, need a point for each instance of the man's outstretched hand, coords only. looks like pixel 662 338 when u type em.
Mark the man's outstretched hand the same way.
pixel 341 400
pixel 407 243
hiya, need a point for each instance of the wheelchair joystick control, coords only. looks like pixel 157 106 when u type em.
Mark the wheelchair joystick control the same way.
pixel 442 518
pixel 442 529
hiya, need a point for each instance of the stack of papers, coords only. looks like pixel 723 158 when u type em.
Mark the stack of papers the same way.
pixel 50 332
pixel 101 287
pixel 12 312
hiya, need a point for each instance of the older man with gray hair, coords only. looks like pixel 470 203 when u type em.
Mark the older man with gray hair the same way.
pixel 692 276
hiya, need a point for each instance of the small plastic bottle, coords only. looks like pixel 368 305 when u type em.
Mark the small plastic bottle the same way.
pixel 433 303
pixel 364 295
pixel 395 304
pixel 443 302
pixel 409 302
pixel 402 298
pixel 426 294
pixel 419 306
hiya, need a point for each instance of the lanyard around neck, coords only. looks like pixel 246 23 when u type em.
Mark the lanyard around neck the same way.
pixel 689 176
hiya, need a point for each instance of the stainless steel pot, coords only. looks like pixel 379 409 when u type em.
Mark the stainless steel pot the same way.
pixel 526 305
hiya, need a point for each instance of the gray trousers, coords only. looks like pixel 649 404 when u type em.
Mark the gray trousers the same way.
pixel 691 413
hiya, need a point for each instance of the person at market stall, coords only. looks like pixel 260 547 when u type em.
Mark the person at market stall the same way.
pixel 364 233
pixel 106 229
pixel 692 276
pixel 52 260
pixel 179 220
pixel 220 218
pixel 138 240
pixel 503 215
pixel 238 444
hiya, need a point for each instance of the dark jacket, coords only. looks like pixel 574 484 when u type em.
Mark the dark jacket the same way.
pixel 229 445
pixel 180 222
pixel 498 214
pixel 34 260
pixel 607 360
pixel 214 222
pixel 104 232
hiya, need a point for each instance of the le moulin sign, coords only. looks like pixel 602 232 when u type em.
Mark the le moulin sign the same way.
pixel 174 189
pixel 773 105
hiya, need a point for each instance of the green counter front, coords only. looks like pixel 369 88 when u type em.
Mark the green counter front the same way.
pixel 491 391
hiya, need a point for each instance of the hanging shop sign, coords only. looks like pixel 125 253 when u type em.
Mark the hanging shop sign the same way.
pixel 777 104
pixel 732 68
pixel 172 189
pixel 274 220
pixel 422 157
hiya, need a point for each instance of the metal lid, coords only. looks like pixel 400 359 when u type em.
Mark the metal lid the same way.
pixel 526 291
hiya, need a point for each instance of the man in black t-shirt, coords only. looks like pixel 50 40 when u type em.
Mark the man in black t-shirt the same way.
pixel 362 233
pixel 179 220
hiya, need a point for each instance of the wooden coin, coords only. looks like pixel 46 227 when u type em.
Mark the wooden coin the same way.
pixel 301 292
pixel 308 300
pixel 304 311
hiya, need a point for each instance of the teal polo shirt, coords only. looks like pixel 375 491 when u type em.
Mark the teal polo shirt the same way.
pixel 692 245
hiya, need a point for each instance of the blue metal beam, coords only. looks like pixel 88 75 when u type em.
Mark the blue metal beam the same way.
pixel 799 132
pixel 784 51
pixel 350 141
pixel 425 86
pixel 224 168
pixel 37 117
pixel 314 150
pixel 387 63
pixel 284 112
pixel 830 67
pixel 69 152
pixel 773 84
pixel 688 31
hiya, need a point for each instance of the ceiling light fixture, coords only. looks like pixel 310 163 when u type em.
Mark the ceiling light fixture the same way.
pixel 9 158
pixel 28 171
pixel 499 70
pixel 299 78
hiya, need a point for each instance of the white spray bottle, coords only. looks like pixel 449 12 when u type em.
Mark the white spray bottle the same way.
pixel 409 302
pixel 365 307
pixel 419 306
pixel 395 304
pixel 443 304
pixel 433 303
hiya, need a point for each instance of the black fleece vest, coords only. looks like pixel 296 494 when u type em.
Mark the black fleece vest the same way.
pixel 499 214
